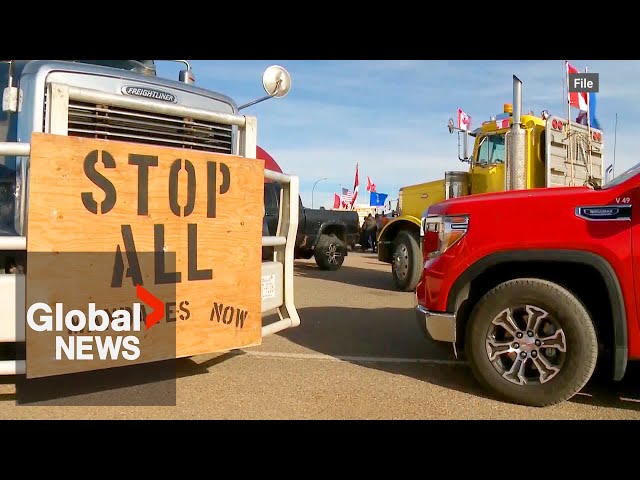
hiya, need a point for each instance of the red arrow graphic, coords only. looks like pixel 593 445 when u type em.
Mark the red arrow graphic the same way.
pixel 157 305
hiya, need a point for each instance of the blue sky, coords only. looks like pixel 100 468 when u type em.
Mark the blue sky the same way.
pixel 391 116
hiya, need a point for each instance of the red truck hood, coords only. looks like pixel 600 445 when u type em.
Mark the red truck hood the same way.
pixel 524 199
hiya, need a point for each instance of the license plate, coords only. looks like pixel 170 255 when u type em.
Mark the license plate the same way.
pixel 269 286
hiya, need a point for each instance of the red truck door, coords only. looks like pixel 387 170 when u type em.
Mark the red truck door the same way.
pixel 626 199
pixel 616 236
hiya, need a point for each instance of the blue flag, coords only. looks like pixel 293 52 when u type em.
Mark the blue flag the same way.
pixel 582 116
pixel 377 199
pixel 592 111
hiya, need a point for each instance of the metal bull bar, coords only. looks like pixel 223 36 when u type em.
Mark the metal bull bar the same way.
pixel 279 273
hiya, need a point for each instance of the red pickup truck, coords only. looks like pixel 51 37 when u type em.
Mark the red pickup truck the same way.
pixel 535 286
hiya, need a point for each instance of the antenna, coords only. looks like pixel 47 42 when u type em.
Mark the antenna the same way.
pixel 615 138
pixel 564 82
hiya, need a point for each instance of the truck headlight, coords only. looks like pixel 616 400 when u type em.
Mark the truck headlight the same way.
pixel 440 233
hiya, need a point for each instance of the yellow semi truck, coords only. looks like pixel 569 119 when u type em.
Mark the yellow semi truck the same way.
pixel 510 151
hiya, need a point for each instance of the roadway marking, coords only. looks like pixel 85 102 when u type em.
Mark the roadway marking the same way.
pixel 348 358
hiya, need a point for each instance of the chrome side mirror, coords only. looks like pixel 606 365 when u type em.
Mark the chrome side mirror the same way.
pixel 276 82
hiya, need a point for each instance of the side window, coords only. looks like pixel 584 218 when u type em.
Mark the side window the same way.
pixel 8 133
pixel 491 150
pixel 482 151
pixel 270 200
pixel 543 146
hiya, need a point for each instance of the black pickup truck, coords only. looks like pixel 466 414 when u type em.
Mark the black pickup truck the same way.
pixel 323 234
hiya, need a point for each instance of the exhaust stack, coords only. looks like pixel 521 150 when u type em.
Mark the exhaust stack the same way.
pixel 517 101
pixel 516 144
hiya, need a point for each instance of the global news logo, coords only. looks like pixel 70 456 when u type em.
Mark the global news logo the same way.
pixel 119 343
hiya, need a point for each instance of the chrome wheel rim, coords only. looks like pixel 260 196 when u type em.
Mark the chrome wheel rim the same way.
pixel 333 254
pixel 526 345
pixel 401 262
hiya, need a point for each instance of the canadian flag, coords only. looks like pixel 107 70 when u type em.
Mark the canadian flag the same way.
pixel 355 188
pixel 577 99
pixel 371 187
pixel 464 120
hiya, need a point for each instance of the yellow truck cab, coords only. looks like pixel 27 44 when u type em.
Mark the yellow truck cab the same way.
pixel 510 151
pixel 488 162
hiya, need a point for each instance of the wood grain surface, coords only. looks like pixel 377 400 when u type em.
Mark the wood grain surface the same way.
pixel 95 209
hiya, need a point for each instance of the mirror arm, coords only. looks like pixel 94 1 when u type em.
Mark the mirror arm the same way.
pixel 453 128
pixel 266 97
pixel 463 132
pixel 459 157
pixel 241 107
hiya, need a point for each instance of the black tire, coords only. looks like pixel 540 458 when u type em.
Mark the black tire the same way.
pixel 305 254
pixel 330 252
pixel 406 262
pixel 574 331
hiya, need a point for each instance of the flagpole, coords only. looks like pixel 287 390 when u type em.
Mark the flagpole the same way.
pixel 615 138
pixel 568 100
pixel 565 95
pixel 353 202
pixel 586 70
pixel 565 83
pixel 353 205
pixel 369 201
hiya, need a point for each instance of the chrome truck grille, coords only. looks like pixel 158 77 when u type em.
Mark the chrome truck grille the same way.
pixel 122 124
pixel 116 123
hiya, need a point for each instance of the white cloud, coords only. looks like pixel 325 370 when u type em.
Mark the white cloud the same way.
pixel 390 116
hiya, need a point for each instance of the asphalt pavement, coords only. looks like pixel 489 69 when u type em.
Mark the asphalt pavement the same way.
pixel 358 354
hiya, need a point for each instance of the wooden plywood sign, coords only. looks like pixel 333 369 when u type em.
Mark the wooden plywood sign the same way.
pixel 129 230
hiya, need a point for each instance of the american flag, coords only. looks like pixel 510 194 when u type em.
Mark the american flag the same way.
pixel 347 196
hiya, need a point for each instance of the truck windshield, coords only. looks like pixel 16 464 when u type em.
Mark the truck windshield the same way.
pixel 491 150
pixel 623 177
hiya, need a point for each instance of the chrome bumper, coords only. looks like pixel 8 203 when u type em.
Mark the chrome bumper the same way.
pixel 437 326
